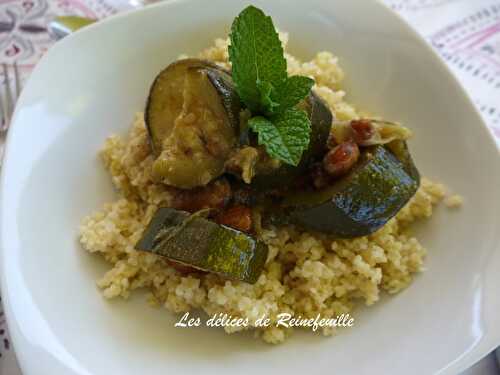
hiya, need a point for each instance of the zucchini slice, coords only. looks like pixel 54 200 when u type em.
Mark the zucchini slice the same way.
pixel 362 201
pixel 400 150
pixel 202 244
pixel 192 117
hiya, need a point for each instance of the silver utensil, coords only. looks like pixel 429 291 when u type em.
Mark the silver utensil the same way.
pixel 8 97
pixel 62 26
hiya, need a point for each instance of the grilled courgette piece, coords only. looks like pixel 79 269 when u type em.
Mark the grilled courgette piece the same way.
pixel 400 150
pixel 194 241
pixel 360 202
pixel 192 117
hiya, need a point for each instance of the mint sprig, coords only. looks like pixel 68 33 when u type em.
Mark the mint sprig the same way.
pixel 259 73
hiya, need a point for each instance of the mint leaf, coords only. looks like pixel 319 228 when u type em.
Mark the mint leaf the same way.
pixel 256 55
pixel 285 135
pixel 292 91
pixel 267 92
pixel 286 95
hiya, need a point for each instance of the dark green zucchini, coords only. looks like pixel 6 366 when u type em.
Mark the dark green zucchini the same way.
pixel 360 202
pixel 194 241
pixel 400 150
pixel 192 118
pixel 321 120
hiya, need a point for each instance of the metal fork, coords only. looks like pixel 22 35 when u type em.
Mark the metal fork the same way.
pixel 8 98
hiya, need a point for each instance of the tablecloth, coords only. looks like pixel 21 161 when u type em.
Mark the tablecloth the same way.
pixel 465 33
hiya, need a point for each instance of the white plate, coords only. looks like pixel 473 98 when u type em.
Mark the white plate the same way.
pixel 89 85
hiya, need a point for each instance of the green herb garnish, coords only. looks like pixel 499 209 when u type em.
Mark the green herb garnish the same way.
pixel 285 135
pixel 259 73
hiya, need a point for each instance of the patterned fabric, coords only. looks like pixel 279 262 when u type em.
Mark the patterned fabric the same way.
pixel 465 33
pixel 23 25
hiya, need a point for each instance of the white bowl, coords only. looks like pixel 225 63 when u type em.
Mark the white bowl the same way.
pixel 89 85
